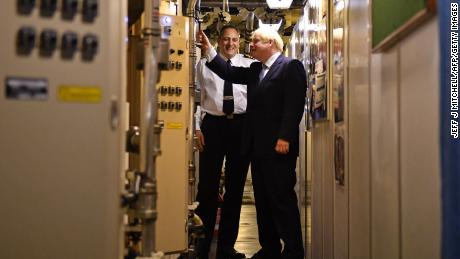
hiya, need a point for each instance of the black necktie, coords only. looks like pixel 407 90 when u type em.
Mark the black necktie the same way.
pixel 228 104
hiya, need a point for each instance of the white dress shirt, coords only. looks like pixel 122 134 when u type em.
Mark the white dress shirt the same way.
pixel 212 89
pixel 266 66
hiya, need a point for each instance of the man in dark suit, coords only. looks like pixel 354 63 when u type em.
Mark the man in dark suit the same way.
pixel 276 98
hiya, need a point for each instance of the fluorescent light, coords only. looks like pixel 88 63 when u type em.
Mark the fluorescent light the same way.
pixel 279 4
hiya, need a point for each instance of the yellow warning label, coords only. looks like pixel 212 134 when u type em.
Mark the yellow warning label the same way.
pixel 81 94
pixel 174 125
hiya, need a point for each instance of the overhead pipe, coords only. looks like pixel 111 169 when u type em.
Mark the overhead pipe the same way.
pixel 225 6
pixel 249 28
pixel 244 4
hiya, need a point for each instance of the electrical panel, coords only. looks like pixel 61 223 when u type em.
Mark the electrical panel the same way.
pixel 174 113
pixel 62 80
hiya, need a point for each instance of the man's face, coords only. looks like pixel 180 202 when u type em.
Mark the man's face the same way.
pixel 229 43
pixel 260 50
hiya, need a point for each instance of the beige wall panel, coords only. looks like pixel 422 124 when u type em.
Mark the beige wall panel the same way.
pixel 322 188
pixel 420 171
pixel 61 162
pixel 359 130
pixel 341 227
pixel 385 156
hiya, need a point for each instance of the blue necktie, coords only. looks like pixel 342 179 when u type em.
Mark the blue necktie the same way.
pixel 228 104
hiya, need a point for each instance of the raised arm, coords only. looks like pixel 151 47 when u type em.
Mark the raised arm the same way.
pixel 238 75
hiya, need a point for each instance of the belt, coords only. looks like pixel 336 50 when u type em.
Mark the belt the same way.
pixel 228 117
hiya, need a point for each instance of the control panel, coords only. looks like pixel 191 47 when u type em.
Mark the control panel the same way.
pixel 62 99
pixel 172 164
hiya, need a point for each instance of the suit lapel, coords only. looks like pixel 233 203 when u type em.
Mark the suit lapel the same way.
pixel 274 67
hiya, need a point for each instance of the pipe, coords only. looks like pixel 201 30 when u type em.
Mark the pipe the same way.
pixel 245 4
pixel 149 135
pixel 248 32
pixel 193 9
pixel 225 6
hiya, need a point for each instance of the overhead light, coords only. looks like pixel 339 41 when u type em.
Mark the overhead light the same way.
pixel 279 4
pixel 274 26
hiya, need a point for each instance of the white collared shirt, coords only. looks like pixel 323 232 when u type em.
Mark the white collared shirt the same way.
pixel 266 66
pixel 212 89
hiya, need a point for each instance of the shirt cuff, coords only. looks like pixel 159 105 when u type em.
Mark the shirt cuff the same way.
pixel 212 54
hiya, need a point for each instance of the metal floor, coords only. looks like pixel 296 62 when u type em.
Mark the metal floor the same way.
pixel 248 238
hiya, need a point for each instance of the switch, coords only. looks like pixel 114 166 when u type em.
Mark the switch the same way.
pixel 178 65
pixel 178 90
pixel 90 9
pixel 48 7
pixel 68 44
pixel 180 52
pixel 25 6
pixel 48 42
pixel 171 90
pixel 171 51
pixel 171 105
pixel 163 90
pixel 25 40
pixel 163 105
pixel 69 9
pixel 178 106
pixel 89 47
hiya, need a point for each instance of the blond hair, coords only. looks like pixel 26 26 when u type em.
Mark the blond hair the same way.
pixel 266 34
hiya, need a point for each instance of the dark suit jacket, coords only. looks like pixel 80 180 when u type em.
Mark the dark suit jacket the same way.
pixel 275 104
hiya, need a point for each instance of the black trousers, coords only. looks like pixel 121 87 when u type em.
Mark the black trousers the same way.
pixel 278 216
pixel 222 138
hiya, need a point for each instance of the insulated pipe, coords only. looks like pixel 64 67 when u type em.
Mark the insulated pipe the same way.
pixel 192 10
pixel 149 133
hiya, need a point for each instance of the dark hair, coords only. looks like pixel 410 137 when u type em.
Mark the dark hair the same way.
pixel 228 26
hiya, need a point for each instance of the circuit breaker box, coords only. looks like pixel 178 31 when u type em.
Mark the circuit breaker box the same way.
pixel 172 164
pixel 61 128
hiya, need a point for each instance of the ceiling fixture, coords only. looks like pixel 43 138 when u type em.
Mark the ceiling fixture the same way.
pixel 274 26
pixel 279 4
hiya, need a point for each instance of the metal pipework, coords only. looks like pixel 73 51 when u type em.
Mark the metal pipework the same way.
pixel 192 12
pixel 225 6
pixel 149 140
pixel 245 4
pixel 248 31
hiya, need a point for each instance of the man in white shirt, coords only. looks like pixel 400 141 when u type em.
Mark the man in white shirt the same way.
pixel 219 127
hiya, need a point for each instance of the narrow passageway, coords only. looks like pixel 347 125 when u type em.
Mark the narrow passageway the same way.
pixel 248 237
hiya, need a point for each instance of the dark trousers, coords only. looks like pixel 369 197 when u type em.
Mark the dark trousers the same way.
pixel 278 216
pixel 222 138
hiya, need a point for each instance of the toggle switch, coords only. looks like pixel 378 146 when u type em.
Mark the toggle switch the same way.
pixel 171 90
pixel 163 90
pixel 171 105
pixel 69 9
pixel 89 47
pixel 178 106
pixel 178 65
pixel 180 52
pixel 178 90
pixel 48 7
pixel 25 40
pixel 69 43
pixel 25 6
pixel 90 10
pixel 163 105
pixel 48 42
